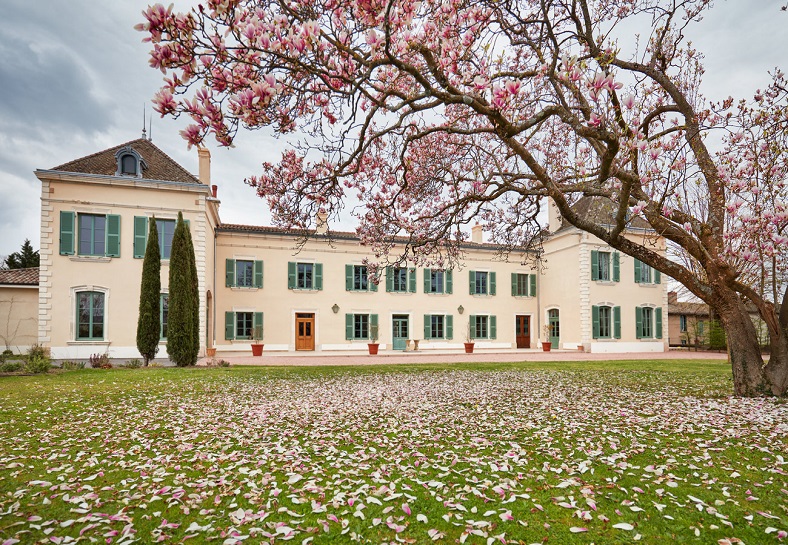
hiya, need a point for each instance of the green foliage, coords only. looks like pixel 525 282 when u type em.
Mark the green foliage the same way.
pixel 149 321
pixel 38 364
pixel 5 355
pixel 183 309
pixel 223 363
pixel 10 366
pixel 72 365
pixel 136 363
pixel 717 340
pixel 100 361
pixel 195 298
pixel 24 258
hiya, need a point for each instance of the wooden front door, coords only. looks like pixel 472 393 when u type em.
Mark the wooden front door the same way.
pixel 523 331
pixel 399 334
pixel 305 331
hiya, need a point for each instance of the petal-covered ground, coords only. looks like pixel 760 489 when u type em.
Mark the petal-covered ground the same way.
pixel 484 454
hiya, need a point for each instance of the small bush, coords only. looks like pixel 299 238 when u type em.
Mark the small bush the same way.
pixel 100 361
pixel 38 351
pixel 6 354
pixel 10 366
pixel 72 365
pixel 38 364
pixel 223 363
pixel 132 364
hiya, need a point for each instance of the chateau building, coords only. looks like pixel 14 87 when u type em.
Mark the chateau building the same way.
pixel 258 282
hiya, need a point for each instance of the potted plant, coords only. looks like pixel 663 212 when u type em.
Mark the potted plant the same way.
pixel 468 339
pixel 546 344
pixel 373 340
pixel 210 352
pixel 257 336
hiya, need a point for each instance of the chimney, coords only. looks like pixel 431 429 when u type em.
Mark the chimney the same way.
pixel 214 190
pixel 321 223
pixel 205 165
pixel 553 216
pixel 476 234
pixel 673 297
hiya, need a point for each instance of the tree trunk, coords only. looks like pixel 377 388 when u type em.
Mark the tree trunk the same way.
pixel 777 369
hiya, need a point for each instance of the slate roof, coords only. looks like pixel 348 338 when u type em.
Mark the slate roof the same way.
pixel 160 165
pixel 19 277
pixel 601 211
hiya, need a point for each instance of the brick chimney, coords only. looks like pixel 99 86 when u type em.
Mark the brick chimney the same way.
pixel 205 165
pixel 553 216
pixel 476 234
pixel 673 297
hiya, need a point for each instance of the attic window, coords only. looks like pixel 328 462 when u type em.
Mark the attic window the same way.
pixel 129 162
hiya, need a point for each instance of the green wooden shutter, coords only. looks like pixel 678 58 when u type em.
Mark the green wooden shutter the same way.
pixel 492 328
pixel 638 322
pixel 291 275
pixel 258 274
pixel 472 282
pixel 514 285
pixel 616 267
pixel 427 280
pixel 617 322
pixel 348 277
pixel 229 273
pixel 594 265
pixel 448 277
pixel 657 277
pixel 67 241
pixel 140 236
pixel 472 326
pixel 389 279
pixel 532 279
pixel 658 312
pixel 229 325
pixel 637 271
pixel 112 245
pixel 595 321
pixel 257 322
pixel 318 276
pixel 449 329
pixel 427 326
pixel 492 283
pixel 412 280
pixel 349 327
pixel 373 326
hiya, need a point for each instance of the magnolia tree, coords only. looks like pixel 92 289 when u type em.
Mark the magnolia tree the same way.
pixel 434 114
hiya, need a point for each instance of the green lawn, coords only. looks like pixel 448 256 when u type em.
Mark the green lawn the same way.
pixel 598 452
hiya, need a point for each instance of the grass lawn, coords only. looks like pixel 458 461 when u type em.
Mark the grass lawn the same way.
pixel 598 452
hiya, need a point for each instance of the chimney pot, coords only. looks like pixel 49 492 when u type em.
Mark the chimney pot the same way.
pixel 214 189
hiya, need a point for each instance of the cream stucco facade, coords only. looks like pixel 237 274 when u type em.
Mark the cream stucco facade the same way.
pixel 257 281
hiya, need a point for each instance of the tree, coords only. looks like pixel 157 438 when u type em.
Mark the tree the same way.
pixel 436 114
pixel 149 320
pixel 26 257
pixel 182 310
pixel 195 289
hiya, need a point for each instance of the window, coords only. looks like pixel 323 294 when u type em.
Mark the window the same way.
pixel 436 283
pixel 129 162
pixel 644 274
pixel 361 327
pixel 482 327
pixel 92 234
pixel 357 279
pixel 523 285
pixel 244 323
pixel 605 266
pixel 400 279
pixel 683 323
pixel 166 229
pixel 90 316
pixel 701 328
pixel 648 322
pixel 128 165
pixel 606 322
pixel 482 283
pixel 164 305
pixel 436 327
pixel 244 274
pixel 304 276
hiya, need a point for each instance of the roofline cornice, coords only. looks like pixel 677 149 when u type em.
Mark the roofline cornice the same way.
pixel 82 177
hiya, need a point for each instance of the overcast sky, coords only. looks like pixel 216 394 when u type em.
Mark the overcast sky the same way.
pixel 74 76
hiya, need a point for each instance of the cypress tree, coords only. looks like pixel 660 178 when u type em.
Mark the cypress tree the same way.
pixel 195 299
pixel 149 321
pixel 180 330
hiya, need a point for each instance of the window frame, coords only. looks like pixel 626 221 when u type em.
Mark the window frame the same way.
pixel 437 281
pixel 399 275
pixel 481 280
pixel 305 271
pixel 437 325
pixel 93 240
pixel 604 257
pixel 160 228
pixel 646 274
pixel 164 312
pixel 607 322
pixel 682 323
pixel 360 278
pixel 361 327
pixel 481 323
pixel 248 264
pixel 647 323
pixel 238 316
pixel 92 293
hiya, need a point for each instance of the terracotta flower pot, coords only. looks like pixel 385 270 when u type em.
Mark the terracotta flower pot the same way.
pixel 257 349
pixel 546 346
pixel 210 352
pixel 373 348
pixel 469 348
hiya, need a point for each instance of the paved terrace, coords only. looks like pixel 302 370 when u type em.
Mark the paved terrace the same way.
pixel 437 356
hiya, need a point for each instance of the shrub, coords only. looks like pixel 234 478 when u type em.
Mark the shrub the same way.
pixel 223 363
pixel 10 366
pixel 100 361
pixel 136 363
pixel 38 364
pixel 6 354
pixel 38 351
pixel 72 365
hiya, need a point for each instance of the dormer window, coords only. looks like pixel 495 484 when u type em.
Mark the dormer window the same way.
pixel 130 162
